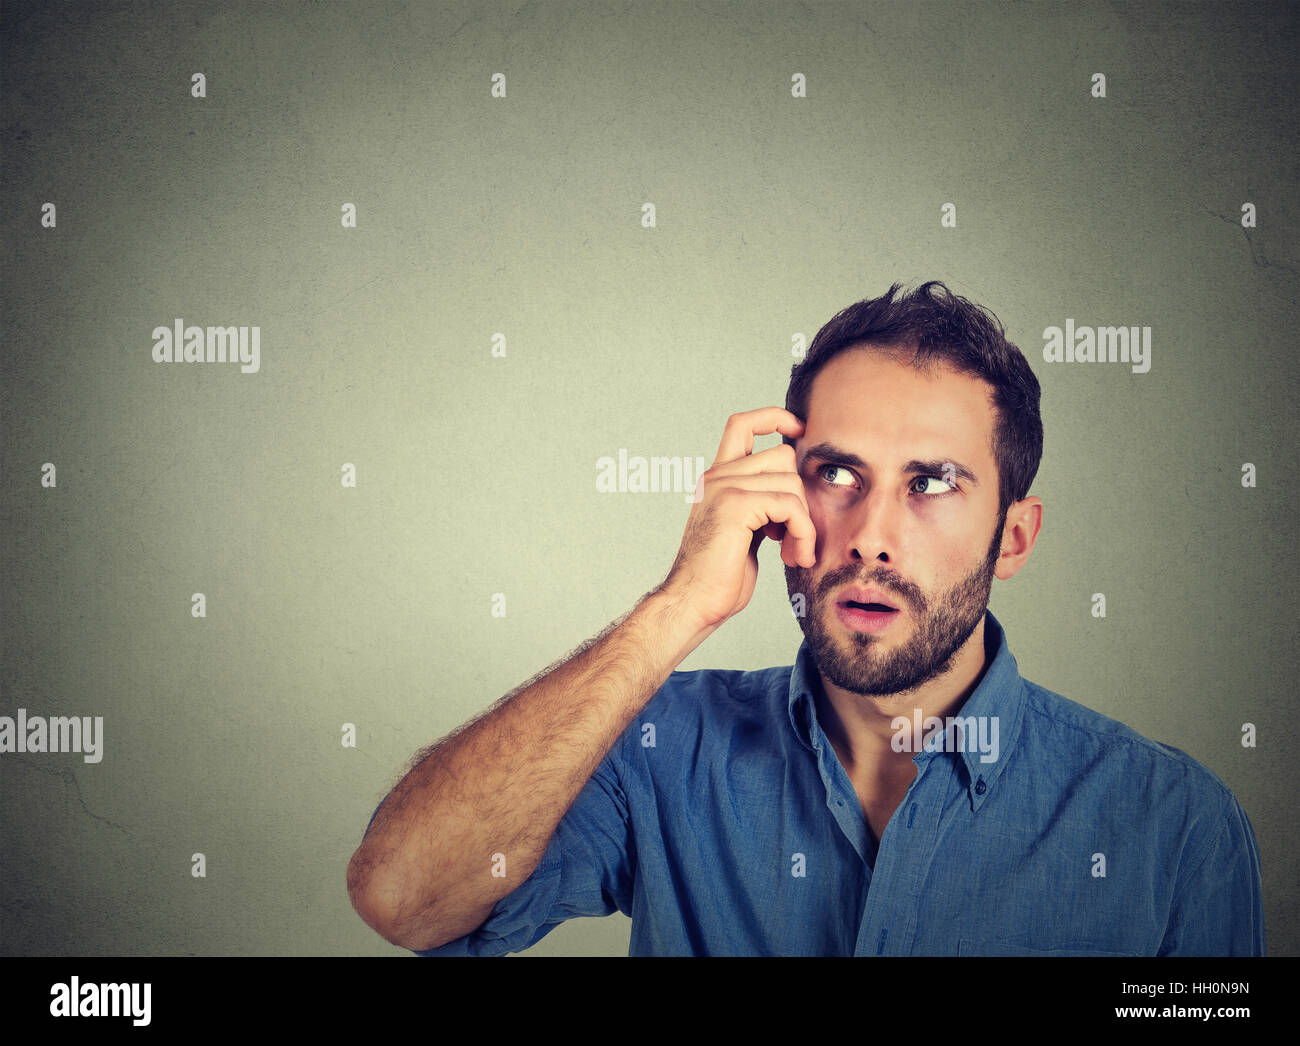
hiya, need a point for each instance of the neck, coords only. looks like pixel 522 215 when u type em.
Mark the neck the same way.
pixel 859 726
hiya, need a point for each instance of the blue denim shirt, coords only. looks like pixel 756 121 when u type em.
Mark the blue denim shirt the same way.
pixel 731 828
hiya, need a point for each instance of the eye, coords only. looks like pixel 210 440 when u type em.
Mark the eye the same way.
pixel 951 489
pixel 831 470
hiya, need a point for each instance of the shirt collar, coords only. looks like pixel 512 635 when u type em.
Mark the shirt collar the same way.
pixel 997 703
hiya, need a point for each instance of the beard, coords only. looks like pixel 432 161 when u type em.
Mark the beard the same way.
pixel 856 662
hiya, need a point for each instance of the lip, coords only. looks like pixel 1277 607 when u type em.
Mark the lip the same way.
pixel 866 594
pixel 866 620
pixel 859 620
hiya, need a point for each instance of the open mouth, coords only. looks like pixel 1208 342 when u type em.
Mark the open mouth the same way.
pixel 862 615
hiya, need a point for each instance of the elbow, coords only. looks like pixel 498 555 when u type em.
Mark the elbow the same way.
pixel 381 907
pixel 366 900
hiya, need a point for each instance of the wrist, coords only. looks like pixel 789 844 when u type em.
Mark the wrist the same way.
pixel 676 624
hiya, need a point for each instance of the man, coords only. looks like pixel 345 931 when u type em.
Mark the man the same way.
pixel 900 790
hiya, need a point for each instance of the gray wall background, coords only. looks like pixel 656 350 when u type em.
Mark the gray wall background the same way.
pixel 476 474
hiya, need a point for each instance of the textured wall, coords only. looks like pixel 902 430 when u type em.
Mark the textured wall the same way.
pixel 522 216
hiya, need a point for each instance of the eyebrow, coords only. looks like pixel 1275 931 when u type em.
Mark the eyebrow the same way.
pixel 835 455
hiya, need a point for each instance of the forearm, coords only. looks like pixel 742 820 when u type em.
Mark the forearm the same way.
pixel 423 874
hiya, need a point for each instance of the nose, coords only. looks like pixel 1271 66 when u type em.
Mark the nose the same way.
pixel 873 532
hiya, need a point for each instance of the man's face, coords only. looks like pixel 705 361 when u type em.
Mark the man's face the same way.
pixel 887 460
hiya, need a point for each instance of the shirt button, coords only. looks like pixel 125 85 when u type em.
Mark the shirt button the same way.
pixel 980 787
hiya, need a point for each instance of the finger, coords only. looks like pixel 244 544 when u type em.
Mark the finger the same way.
pixel 792 554
pixel 799 543
pixel 738 436
pixel 760 507
pixel 789 546
pixel 780 482
pixel 780 458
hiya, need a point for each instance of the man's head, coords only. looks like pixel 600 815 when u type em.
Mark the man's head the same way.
pixel 922 437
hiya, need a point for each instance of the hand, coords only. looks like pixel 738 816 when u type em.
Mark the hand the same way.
pixel 742 498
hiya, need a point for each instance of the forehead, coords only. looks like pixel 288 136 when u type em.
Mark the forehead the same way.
pixel 874 402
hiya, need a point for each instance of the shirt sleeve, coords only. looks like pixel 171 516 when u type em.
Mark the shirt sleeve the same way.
pixel 587 870
pixel 1219 908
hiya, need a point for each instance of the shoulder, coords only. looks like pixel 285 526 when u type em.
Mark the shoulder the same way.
pixel 1085 742
pixel 701 707
pixel 708 695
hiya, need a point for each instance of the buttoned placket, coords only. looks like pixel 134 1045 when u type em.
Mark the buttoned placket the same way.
pixel 898 868
pixel 907 847
pixel 897 873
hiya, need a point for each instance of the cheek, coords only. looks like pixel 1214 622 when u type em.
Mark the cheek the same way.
pixel 823 522
pixel 952 559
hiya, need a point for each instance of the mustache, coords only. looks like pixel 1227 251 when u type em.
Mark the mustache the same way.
pixel 907 592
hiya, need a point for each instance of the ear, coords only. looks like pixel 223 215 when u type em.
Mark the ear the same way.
pixel 1024 520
